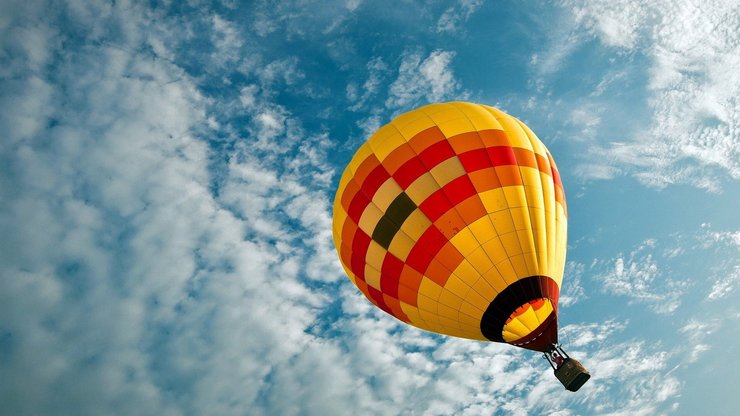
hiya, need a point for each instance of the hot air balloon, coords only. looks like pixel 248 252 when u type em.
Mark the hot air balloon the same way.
pixel 452 218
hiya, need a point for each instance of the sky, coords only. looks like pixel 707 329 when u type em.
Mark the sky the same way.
pixel 167 171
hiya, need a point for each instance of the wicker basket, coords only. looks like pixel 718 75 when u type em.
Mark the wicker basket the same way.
pixel 572 374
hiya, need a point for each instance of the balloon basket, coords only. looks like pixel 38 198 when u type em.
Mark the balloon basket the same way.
pixel 572 374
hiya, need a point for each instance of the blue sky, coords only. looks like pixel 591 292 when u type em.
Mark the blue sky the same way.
pixel 166 178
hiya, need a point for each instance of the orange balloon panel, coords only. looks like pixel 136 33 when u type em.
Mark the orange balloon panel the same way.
pixel 452 218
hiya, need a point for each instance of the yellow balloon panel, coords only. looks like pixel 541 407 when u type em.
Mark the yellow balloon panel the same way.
pixel 452 218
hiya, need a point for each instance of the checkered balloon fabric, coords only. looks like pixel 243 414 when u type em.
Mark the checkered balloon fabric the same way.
pixel 452 218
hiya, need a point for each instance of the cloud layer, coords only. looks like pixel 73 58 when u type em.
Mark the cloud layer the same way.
pixel 693 52
pixel 166 223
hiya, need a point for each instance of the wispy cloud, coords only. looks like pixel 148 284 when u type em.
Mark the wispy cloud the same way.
pixel 140 288
pixel 420 80
pixel 616 23
pixel 654 273
pixel 423 80
pixel 639 277
pixel 417 372
pixel 574 291
pixel 563 39
pixel 642 375
pixel 455 16
pixel 167 242
pixel 300 19
pixel 726 246
pixel 693 50
pixel 360 95
pixel 369 125
pixel 697 332
pixel 624 375
pixel 709 238
pixel 588 334
pixel 227 39
pixel 725 285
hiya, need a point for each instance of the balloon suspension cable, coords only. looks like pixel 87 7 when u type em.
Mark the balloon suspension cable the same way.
pixel 554 350
pixel 559 349
pixel 546 355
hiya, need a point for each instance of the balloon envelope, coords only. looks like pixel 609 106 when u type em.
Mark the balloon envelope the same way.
pixel 452 218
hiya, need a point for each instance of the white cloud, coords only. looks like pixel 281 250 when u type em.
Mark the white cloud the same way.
pixel 586 120
pixel 657 275
pixel 154 269
pixel 30 99
pixel 421 79
pixel 726 272
pixel 352 5
pixel 574 291
pixel 596 171
pixel 417 372
pixel 227 40
pixel 638 277
pixel 562 40
pixel 369 126
pixel 377 71
pixel 582 335
pixel 285 70
pixel 248 96
pixel 711 238
pixel 116 178
pixel 26 51
pixel 624 375
pixel 617 23
pixel 454 16
pixel 139 289
pixel 696 333
pixel 300 19
pixel 725 285
pixel 639 374
pixel 694 53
